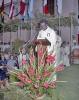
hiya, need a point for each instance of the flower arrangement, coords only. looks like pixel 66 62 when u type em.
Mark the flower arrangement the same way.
pixel 37 78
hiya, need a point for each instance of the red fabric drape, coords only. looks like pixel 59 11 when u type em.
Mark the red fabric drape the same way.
pixel 22 7
pixel 45 9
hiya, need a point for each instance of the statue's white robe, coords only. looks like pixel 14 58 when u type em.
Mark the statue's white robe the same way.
pixel 50 35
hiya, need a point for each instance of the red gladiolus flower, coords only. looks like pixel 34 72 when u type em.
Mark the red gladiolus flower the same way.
pixel 46 85
pixel 38 77
pixel 52 85
pixel 24 62
pixel 29 81
pixel 23 77
pixel 46 74
pixel 59 68
pixel 31 71
pixel 40 53
pixel 20 84
pixel 23 80
pixel 41 62
pixel 50 59
pixel 32 58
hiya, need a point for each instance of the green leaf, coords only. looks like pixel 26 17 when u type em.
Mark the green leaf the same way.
pixel 50 79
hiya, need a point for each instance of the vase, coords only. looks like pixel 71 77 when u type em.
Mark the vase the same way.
pixel 37 97
pixel 40 97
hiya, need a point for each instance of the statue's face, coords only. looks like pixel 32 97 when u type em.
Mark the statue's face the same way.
pixel 43 26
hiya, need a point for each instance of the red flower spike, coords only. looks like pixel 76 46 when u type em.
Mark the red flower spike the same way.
pixel 32 59
pixel 46 74
pixel 59 68
pixel 23 77
pixel 20 84
pixel 46 85
pixel 31 71
pixel 52 85
pixel 38 77
pixel 41 62
pixel 50 59
pixel 40 53
pixel 29 81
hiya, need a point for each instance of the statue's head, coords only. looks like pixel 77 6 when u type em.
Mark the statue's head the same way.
pixel 43 24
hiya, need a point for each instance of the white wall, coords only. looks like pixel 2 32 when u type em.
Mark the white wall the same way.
pixel 25 36
pixel 65 34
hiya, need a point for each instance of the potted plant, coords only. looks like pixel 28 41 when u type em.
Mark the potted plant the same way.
pixel 37 81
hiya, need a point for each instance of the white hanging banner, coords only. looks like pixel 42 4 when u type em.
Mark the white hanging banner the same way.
pixel 59 6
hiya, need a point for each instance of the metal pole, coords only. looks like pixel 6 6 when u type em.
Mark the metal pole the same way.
pixel 31 28
pixel 20 28
pixel 3 39
pixel 42 7
pixel 59 23
pixel 11 38
pixel 71 30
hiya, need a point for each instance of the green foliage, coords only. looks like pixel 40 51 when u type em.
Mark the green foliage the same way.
pixel 26 26
pixel 7 27
pixel 52 21
pixel 64 21
pixel 16 45
pixel 13 26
